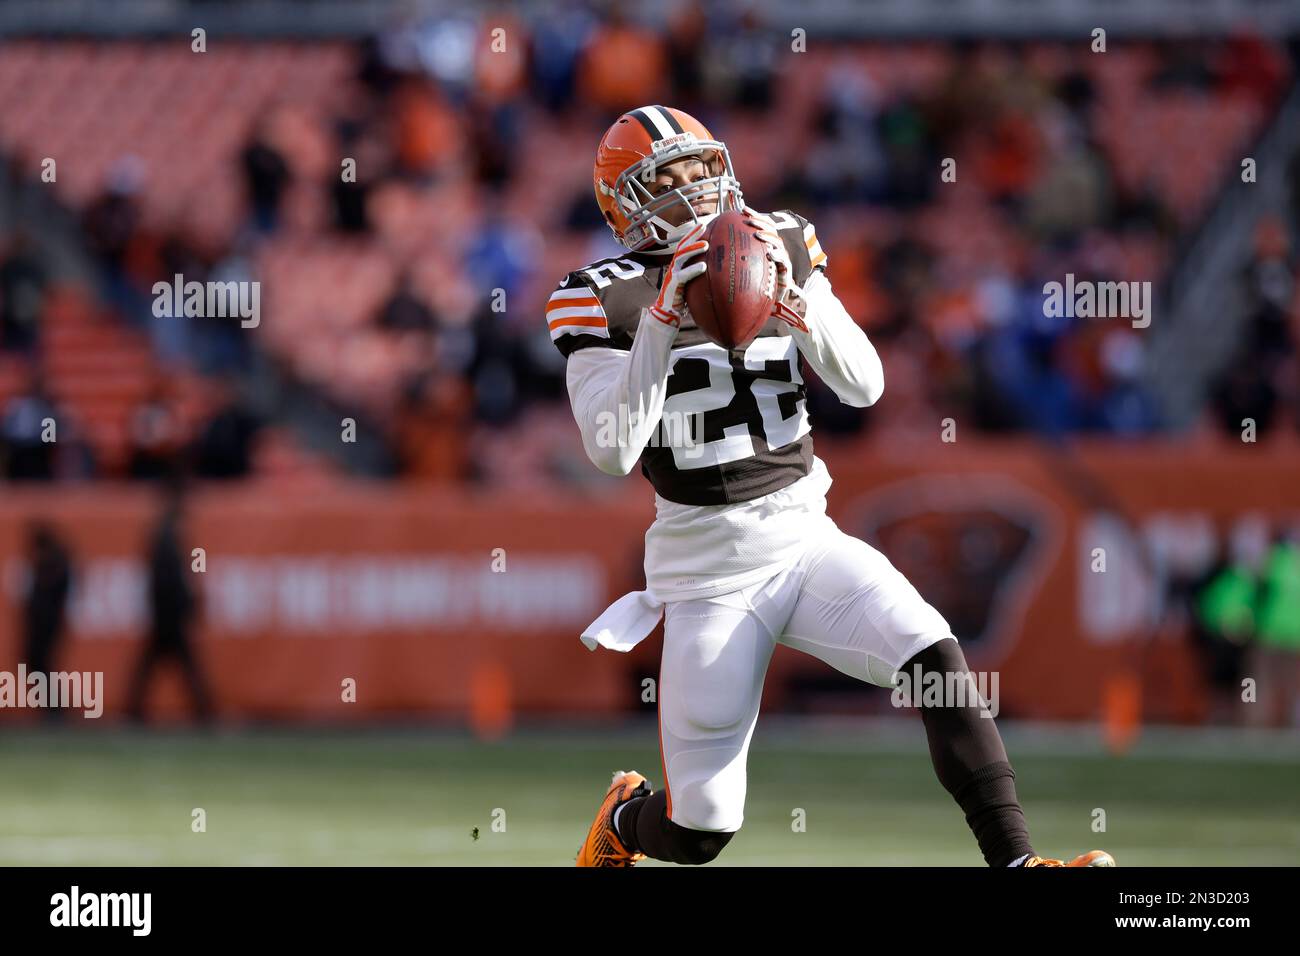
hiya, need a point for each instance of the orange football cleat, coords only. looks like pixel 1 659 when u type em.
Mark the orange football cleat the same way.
pixel 602 846
pixel 1091 858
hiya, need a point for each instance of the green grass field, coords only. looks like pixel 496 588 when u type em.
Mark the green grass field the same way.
pixel 414 797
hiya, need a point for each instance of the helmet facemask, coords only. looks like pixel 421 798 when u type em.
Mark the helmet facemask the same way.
pixel 646 226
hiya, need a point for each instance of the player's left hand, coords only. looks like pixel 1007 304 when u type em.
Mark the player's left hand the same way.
pixel 790 305
pixel 767 233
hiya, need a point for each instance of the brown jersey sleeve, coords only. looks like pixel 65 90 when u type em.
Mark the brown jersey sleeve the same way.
pixel 575 316
pixel 801 243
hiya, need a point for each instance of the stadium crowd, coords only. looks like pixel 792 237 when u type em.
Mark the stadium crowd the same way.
pixel 470 187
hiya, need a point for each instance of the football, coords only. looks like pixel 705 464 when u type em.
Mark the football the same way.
pixel 733 299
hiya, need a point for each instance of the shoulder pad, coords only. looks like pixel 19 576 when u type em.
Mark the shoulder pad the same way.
pixel 575 316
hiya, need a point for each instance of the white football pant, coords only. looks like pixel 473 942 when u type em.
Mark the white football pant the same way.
pixel 841 601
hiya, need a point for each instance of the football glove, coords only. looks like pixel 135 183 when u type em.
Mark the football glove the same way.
pixel 789 306
pixel 671 303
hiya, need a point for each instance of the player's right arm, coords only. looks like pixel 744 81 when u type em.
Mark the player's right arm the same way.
pixel 617 394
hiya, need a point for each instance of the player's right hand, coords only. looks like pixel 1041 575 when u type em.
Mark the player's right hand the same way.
pixel 671 304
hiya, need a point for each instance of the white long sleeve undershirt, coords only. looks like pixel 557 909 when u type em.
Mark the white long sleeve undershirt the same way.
pixel 618 396
pixel 837 348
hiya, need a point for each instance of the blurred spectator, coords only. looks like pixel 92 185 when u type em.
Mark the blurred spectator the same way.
pixel 1293 192
pixel 110 222
pixel 623 64
pixel 559 35
pixel 155 438
pixel 1006 154
pixel 1073 193
pixel 1275 657
pixel 1270 287
pixel 374 70
pixel 428 131
pixel 223 449
pixel 405 311
pixel 223 345
pixel 178 251
pixel 1077 94
pixel 744 58
pixel 350 197
pixel 846 160
pixel 431 431
pixel 1020 363
pixel 29 420
pixel 23 281
pixel 173 607
pixel 445 48
pixel 1123 406
pixel 46 602
pixel 1245 394
pixel 1222 625
pixel 76 459
pixel 501 61
pixel 687 37
pixel 266 176
pixel 492 129
pixel 503 254
pixel 495 369
pixel 1262 374
pixel 903 142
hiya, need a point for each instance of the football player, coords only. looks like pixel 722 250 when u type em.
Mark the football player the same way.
pixel 741 555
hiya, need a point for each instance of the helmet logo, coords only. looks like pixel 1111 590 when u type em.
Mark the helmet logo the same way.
pixel 672 142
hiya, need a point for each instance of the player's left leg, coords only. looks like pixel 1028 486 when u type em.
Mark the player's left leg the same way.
pixel 715 656
pixel 858 613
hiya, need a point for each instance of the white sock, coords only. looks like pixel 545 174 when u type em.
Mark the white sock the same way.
pixel 1016 862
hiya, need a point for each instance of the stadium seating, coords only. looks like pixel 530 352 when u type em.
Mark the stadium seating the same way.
pixel 186 117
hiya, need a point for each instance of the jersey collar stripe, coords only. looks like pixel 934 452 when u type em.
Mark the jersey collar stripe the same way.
pixel 654 123
pixel 670 119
